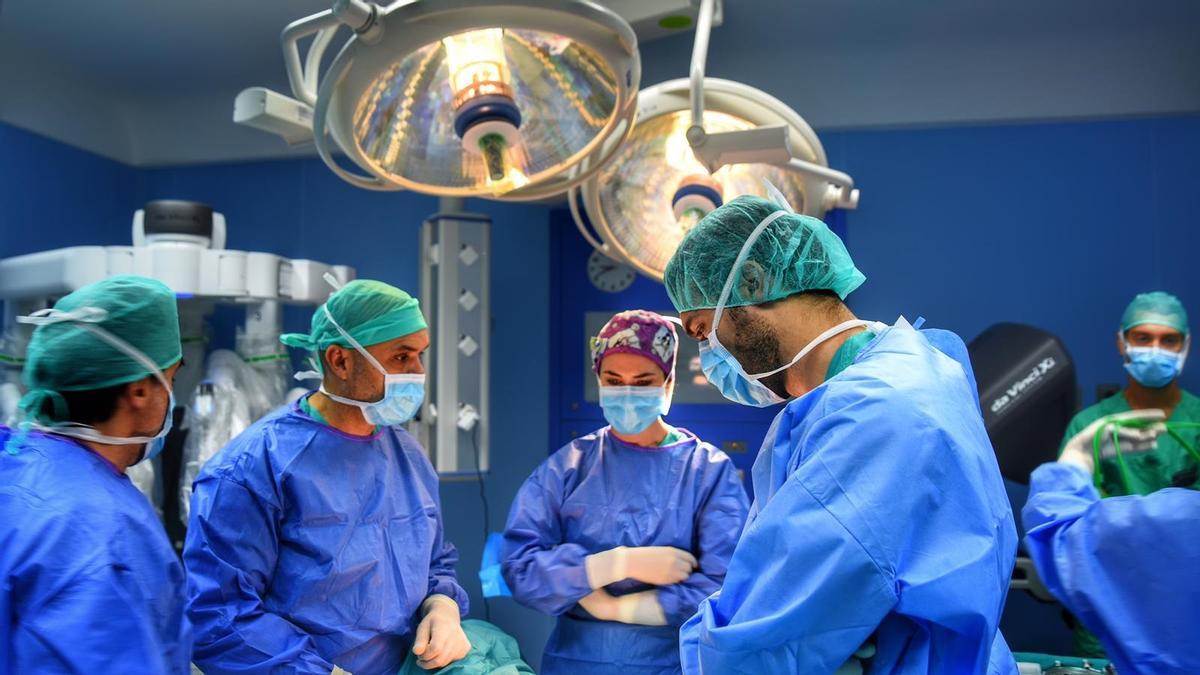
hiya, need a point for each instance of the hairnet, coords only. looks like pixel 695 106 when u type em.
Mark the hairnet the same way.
pixel 637 332
pixel 792 254
pixel 370 311
pixel 66 355
pixel 1158 308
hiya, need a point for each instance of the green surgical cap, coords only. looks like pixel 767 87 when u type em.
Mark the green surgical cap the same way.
pixel 793 254
pixel 1158 308
pixel 64 355
pixel 370 311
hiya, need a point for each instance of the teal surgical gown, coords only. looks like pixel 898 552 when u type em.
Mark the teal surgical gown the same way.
pixel 309 548
pixel 880 516
pixel 88 580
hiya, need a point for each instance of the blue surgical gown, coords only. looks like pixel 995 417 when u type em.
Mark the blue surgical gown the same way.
pixel 880 516
pixel 1127 567
pixel 89 582
pixel 598 493
pixel 308 547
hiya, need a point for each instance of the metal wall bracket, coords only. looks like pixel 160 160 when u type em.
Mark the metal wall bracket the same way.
pixel 455 296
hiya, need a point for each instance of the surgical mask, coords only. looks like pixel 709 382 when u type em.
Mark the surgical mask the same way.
pixel 155 447
pixel 1154 367
pixel 724 371
pixel 403 393
pixel 86 319
pixel 631 410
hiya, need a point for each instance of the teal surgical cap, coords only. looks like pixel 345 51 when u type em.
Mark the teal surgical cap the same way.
pixel 68 350
pixel 370 311
pixel 1162 309
pixel 792 254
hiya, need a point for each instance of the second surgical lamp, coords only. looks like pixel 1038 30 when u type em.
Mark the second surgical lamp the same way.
pixel 699 141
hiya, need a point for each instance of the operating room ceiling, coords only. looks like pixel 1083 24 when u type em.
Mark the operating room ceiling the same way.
pixel 151 82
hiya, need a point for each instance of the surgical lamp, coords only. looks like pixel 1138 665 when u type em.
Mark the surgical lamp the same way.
pixel 461 98
pixel 700 141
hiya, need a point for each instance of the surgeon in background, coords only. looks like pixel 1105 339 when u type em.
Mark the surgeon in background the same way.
pixel 89 582
pixel 1125 566
pixel 623 532
pixel 1153 342
pixel 315 543
pixel 880 517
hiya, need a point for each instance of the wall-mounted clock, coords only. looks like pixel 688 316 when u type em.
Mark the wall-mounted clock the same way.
pixel 609 275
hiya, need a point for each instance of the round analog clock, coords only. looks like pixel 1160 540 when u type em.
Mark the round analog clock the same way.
pixel 608 274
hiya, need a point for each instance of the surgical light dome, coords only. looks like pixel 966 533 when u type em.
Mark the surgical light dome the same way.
pixel 456 98
pixel 656 188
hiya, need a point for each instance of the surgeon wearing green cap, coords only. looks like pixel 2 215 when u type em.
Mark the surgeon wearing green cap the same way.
pixel 315 543
pixel 89 582
pixel 1153 342
pixel 881 537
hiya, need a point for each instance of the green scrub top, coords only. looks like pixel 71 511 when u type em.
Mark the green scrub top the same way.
pixel 307 409
pixel 849 350
pixel 673 436
pixel 1171 465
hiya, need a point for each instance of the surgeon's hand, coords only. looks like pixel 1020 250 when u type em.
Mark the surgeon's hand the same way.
pixel 1133 440
pixel 643 609
pixel 600 605
pixel 655 565
pixel 440 637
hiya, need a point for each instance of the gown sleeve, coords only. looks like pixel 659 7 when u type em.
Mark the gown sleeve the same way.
pixel 83 614
pixel 823 587
pixel 443 579
pixel 544 572
pixel 230 555
pixel 719 523
pixel 886 506
pixel 1125 566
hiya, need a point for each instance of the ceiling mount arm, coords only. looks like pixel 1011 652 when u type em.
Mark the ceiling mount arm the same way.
pixel 304 84
pixel 704 21
pixel 361 16
pixel 321 140
pixel 573 199
pixel 312 61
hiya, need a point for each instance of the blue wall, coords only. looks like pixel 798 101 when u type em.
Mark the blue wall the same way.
pixel 1056 225
pixel 53 195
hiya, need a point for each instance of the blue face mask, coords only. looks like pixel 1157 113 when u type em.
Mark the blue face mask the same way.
pixel 725 372
pixel 403 393
pixel 155 447
pixel 1154 367
pixel 402 398
pixel 631 410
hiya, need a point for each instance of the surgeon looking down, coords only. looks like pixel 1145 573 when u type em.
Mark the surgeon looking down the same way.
pixel 315 543
pixel 623 532
pixel 880 517
pixel 89 582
